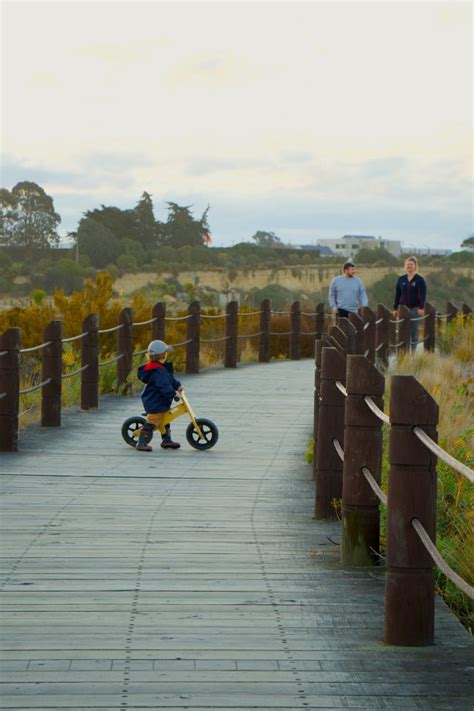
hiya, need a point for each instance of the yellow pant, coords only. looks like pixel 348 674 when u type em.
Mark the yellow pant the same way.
pixel 156 418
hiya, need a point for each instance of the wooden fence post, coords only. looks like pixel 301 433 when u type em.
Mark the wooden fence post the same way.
pixel 409 582
pixel 382 333
pixel 265 328
pixel 319 321
pixel 368 330
pixel 430 327
pixel 358 324
pixel 351 332
pixel 193 336
pixel 362 448
pixel 295 335
pixel 466 312
pixel 158 327
pixel 330 427
pixel 90 357
pixel 9 389
pixel 452 312
pixel 231 327
pixel 124 345
pixel 319 345
pixel 339 339
pixel 404 329
pixel 52 368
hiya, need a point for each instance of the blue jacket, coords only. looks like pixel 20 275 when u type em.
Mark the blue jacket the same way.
pixel 410 293
pixel 160 386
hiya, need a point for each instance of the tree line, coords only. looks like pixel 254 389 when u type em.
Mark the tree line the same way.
pixel 104 234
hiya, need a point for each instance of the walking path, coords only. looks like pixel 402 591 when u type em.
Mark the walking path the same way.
pixel 186 580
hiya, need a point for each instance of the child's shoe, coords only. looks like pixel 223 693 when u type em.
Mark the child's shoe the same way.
pixel 167 442
pixel 146 435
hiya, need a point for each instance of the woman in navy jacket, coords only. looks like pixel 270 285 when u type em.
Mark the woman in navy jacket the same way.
pixel 411 292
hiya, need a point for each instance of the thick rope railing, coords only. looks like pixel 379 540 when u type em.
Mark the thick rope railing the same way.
pixel 439 560
pixel 214 340
pixel 283 333
pixel 2 353
pixel 181 343
pixel 101 363
pixel 308 333
pixel 442 454
pixel 250 313
pixel 341 388
pixel 379 320
pixel 35 348
pixel 74 372
pixel 397 345
pixel 396 320
pixel 249 335
pixel 111 330
pixel 339 449
pixel 377 348
pixel 419 318
pixel 280 313
pixel 205 316
pixel 374 486
pixel 376 410
pixel 74 338
pixel 35 387
pixel 139 353
pixel 145 323
pixel 2 395
pixel 178 318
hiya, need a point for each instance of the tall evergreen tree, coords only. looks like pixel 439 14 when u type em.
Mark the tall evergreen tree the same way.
pixel 28 217
pixel 181 229
pixel 145 225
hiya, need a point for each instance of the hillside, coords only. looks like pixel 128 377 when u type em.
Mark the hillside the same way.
pixel 312 282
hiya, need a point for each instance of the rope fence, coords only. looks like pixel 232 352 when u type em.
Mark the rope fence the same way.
pixel 75 372
pixel 35 348
pixel 111 330
pixel 75 338
pixel 34 387
pixel 102 363
pixel 345 365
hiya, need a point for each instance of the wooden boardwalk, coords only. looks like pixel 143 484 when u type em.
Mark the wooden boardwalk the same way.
pixel 197 580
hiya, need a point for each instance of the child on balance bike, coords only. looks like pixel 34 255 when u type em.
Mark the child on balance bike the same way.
pixel 160 388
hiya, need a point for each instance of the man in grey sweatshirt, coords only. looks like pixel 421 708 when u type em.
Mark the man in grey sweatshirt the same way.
pixel 347 292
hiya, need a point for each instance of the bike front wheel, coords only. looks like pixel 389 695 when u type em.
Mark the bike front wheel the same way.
pixel 209 431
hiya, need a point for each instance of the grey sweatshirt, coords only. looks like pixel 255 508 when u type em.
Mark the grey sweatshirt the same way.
pixel 347 293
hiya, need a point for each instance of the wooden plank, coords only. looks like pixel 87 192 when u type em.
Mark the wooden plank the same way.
pixel 197 580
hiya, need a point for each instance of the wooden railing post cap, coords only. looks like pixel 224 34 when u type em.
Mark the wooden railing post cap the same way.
pixel 333 364
pixel 54 329
pixel 126 314
pixel 356 320
pixel 339 336
pixel 11 339
pixel 362 377
pixel 347 327
pixel 410 403
pixel 91 322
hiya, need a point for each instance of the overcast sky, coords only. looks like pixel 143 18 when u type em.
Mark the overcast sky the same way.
pixel 306 119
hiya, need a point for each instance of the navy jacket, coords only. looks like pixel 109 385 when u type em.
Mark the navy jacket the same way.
pixel 410 293
pixel 160 386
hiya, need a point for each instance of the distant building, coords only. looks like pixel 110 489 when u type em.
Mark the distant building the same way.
pixel 349 245
pixel 426 251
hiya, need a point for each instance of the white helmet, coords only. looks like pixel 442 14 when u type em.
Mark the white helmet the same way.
pixel 158 348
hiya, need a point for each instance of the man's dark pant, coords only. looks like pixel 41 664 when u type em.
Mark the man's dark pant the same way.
pixel 343 313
